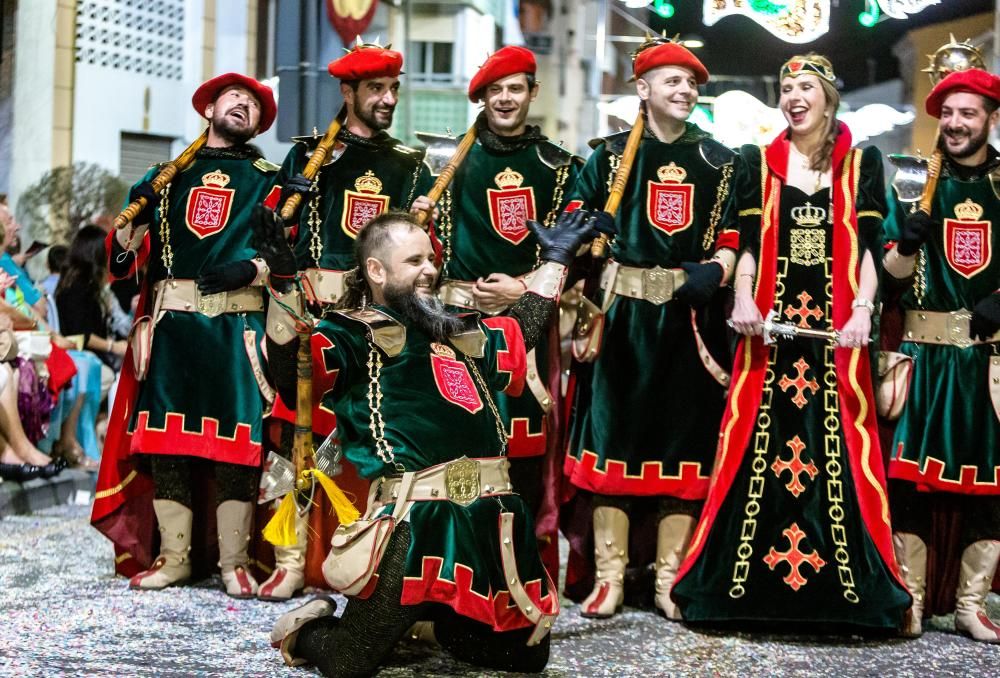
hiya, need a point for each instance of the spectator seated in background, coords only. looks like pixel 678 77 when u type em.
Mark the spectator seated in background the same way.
pixel 55 259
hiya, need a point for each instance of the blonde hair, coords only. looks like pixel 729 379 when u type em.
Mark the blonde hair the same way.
pixel 822 158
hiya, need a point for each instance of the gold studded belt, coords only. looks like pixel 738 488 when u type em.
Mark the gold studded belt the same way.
pixel 655 285
pixel 183 295
pixel 944 328
pixel 324 286
pixel 461 481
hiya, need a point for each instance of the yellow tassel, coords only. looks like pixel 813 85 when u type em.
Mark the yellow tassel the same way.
pixel 346 512
pixel 280 530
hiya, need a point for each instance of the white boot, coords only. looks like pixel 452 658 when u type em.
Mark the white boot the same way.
pixel 610 558
pixel 975 578
pixel 911 554
pixel 286 629
pixel 234 519
pixel 672 538
pixel 173 565
pixel 289 574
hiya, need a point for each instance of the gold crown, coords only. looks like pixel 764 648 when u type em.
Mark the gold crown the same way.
pixel 217 178
pixel 509 179
pixel 968 210
pixel 952 57
pixel 671 174
pixel 808 63
pixel 368 183
pixel 808 215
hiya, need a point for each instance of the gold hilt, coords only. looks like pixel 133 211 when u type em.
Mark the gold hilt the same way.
pixel 316 160
pixel 448 172
pixel 164 177
pixel 302 446
pixel 621 178
pixel 933 172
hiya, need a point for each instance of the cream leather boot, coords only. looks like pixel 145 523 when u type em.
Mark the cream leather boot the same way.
pixel 173 565
pixel 234 519
pixel 286 629
pixel 289 574
pixel 911 554
pixel 975 578
pixel 672 538
pixel 610 558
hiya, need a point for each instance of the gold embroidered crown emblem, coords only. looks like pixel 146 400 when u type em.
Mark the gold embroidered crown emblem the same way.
pixel 808 215
pixel 442 350
pixel 509 179
pixel 671 174
pixel 368 183
pixel 968 210
pixel 218 178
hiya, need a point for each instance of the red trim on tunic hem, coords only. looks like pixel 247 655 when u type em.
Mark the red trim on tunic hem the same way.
pixel 615 480
pixel 930 477
pixel 173 439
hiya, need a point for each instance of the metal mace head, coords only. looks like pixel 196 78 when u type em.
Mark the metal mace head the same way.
pixel 952 57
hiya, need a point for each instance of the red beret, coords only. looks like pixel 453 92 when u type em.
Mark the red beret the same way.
pixel 669 54
pixel 366 62
pixel 973 80
pixel 505 61
pixel 211 89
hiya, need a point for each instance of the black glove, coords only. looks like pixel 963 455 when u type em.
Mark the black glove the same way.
pixel 272 246
pixel 605 223
pixel 985 319
pixel 916 228
pixel 296 184
pixel 145 190
pixel 702 282
pixel 226 277
pixel 560 243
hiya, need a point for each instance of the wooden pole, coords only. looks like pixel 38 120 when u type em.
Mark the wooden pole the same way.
pixel 621 178
pixel 316 160
pixel 448 173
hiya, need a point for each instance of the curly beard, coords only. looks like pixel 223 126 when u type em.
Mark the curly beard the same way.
pixel 427 313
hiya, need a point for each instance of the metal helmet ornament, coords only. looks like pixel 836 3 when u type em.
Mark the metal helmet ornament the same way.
pixel 952 57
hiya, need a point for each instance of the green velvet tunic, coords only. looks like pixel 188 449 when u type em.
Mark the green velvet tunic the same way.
pixel 787 541
pixel 482 231
pixel 200 397
pixel 948 437
pixel 364 178
pixel 647 422
pixel 435 410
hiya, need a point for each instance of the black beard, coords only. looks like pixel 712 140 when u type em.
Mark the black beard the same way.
pixel 972 145
pixel 228 132
pixel 427 313
pixel 369 118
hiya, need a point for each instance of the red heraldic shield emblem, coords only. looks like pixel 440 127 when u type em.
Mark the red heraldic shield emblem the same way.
pixel 967 240
pixel 208 206
pixel 669 201
pixel 363 204
pixel 453 379
pixel 511 206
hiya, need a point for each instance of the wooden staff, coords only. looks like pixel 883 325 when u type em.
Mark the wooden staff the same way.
pixel 448 172
pixel 933 172
pixel 316 161
pixel 302 445
pixel 160 181
pixel 621 178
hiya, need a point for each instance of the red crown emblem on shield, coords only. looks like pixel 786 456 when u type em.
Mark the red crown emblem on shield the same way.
pixel 209 205
pixel 363 204
pixel 968 245
pixel 511 206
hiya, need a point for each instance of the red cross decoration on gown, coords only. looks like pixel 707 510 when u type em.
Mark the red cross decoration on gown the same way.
pixel 800 383
pixel 794 557
pixel 795 466
pixel 803 311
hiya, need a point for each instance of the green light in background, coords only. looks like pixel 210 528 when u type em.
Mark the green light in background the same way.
pixel 663 8
pixel 869 17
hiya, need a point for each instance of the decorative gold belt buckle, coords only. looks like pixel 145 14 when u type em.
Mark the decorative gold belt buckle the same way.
pixel 212 305
pixel 461 480
pixel 657 285
pixel 958 329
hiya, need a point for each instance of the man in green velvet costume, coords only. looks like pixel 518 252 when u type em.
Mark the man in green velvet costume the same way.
pixel 513 173
pixel 647 425
pixel 204 393
pixel 948 436
pixel 414 396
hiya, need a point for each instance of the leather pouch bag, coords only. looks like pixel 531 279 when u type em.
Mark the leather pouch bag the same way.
pixel 8 345
pixel 356 550
pixel 140 338
pixel 587 331
pixel 894 373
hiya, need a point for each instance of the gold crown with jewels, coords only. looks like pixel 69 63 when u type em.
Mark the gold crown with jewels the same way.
pixel 968 211
pixel 368 183
pixel 808 215
pixel 952 57
pixel 509 179
pixel 808 63
pixel 672 174
pixel 218 178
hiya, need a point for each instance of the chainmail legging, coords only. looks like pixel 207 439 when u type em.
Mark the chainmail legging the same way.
pixel 912 512
pixel 172 479
pixel 358 642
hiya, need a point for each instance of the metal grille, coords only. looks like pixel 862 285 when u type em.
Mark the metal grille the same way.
pixel 137 36
pixel 139 152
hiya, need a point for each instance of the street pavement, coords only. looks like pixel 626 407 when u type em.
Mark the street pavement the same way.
pixel 64 613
